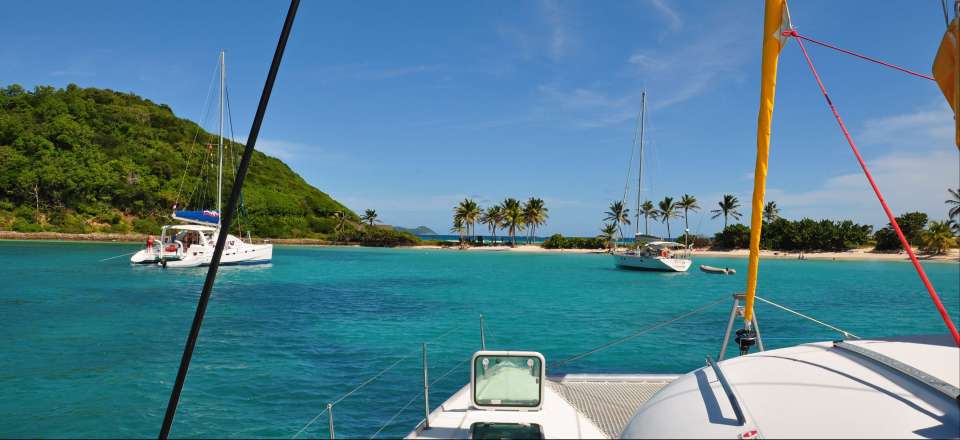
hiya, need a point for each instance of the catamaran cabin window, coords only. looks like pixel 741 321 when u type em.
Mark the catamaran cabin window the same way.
pixel 508 380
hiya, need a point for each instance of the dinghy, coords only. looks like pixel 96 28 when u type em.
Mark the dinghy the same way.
pixel 717 270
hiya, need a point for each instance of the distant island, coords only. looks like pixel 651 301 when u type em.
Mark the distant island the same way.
pixel 419 230
pixel 86 160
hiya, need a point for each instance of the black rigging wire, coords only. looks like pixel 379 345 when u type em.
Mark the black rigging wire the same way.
pixel 227 219
pixel 204 114
pixel 242 210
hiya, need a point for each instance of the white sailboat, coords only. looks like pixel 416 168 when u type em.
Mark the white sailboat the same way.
pixel 191 244
pixel 661 256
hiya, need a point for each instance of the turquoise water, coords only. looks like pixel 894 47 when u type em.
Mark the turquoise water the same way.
pixel 90 349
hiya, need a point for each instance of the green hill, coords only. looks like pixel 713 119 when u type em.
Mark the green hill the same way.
pixel 95 160
pixel 419 230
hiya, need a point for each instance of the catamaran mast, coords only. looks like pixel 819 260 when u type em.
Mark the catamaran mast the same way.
pixel 643 111
pixel 220 145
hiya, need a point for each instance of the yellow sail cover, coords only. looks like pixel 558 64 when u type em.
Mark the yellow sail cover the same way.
pixel 945 68
pixel 776 20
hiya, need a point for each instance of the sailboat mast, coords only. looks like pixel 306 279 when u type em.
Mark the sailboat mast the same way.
pixel 643 114
pixel 220 135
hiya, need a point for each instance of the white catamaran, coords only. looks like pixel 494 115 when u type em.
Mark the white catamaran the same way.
pixel 663 256
pixel 191 243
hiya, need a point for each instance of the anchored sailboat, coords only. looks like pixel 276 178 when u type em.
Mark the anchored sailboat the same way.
pixel 191 244
pixel 657 255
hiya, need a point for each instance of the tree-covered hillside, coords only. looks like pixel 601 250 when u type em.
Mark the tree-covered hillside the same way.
pixel 87 160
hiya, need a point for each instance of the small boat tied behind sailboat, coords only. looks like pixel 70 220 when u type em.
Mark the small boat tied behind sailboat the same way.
pixel 192 243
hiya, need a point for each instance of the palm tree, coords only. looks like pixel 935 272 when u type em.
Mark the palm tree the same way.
pixel 513 218
pixel 668 210
pixel 648 210
pixel 469 211
pixel 527 213
pixel 608 233
pixel 728 208
pixel 458 227
pixel 370 216
pixel 954 203
pixel 534 214
pixel 619 215
pixel 493 218
pixel 771 212
pixel 687 203
pixel 937 238
pixel 340 225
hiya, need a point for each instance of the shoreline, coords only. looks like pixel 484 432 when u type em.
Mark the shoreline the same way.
pixel 952 256
pixel 863 254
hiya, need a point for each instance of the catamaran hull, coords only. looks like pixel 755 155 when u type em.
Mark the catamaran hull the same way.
pixel 143 257
pixel 657 264
pixel 243 255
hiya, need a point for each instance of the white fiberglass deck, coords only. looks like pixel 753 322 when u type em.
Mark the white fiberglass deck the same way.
pixel 574 406
pixel 818 390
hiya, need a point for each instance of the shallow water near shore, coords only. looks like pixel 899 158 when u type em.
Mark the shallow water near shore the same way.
pixel 91 348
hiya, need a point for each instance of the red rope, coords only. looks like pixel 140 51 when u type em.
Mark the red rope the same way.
pixel 793 33
pixel 886 209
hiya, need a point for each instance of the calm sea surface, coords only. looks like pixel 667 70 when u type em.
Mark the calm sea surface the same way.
pixel 90 349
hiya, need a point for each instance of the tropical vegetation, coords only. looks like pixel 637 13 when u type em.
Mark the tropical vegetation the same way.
pixel 667 210
pixel 770 212
pixel 648 210
pixel 85 160
pixel 557 241
pixel 370 217
pixel 937 238
pixel 789 235
pixel 608 234
pixel 510 215
pixel 619 215
pixel 728 208
pixel 687 203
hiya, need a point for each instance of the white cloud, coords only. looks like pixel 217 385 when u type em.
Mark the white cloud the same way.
pixel 396 72
pixel 559 40
pixel 552 36
pixel 682 72
pixel 291 151
pixel 594 109
pixel 912 178
pixel 366 72
pixel 933 127
pixel 909 182
pixel 692 68
pixel 673 19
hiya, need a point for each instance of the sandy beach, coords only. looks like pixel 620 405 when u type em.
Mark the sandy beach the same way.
pixel 856 254
pixel 864 254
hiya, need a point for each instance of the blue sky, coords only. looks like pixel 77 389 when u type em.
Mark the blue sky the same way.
pixel 408 107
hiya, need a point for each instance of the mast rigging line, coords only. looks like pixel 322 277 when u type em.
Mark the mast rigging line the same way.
pixel 404 357
pixel 204 113
pixel 886 209
pixel 638 333
pixel 809 318
pixel 793 33
pixel 226 221
pixel 402 409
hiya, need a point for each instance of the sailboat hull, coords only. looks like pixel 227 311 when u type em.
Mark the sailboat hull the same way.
pixel 656 264
pixel 236 254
